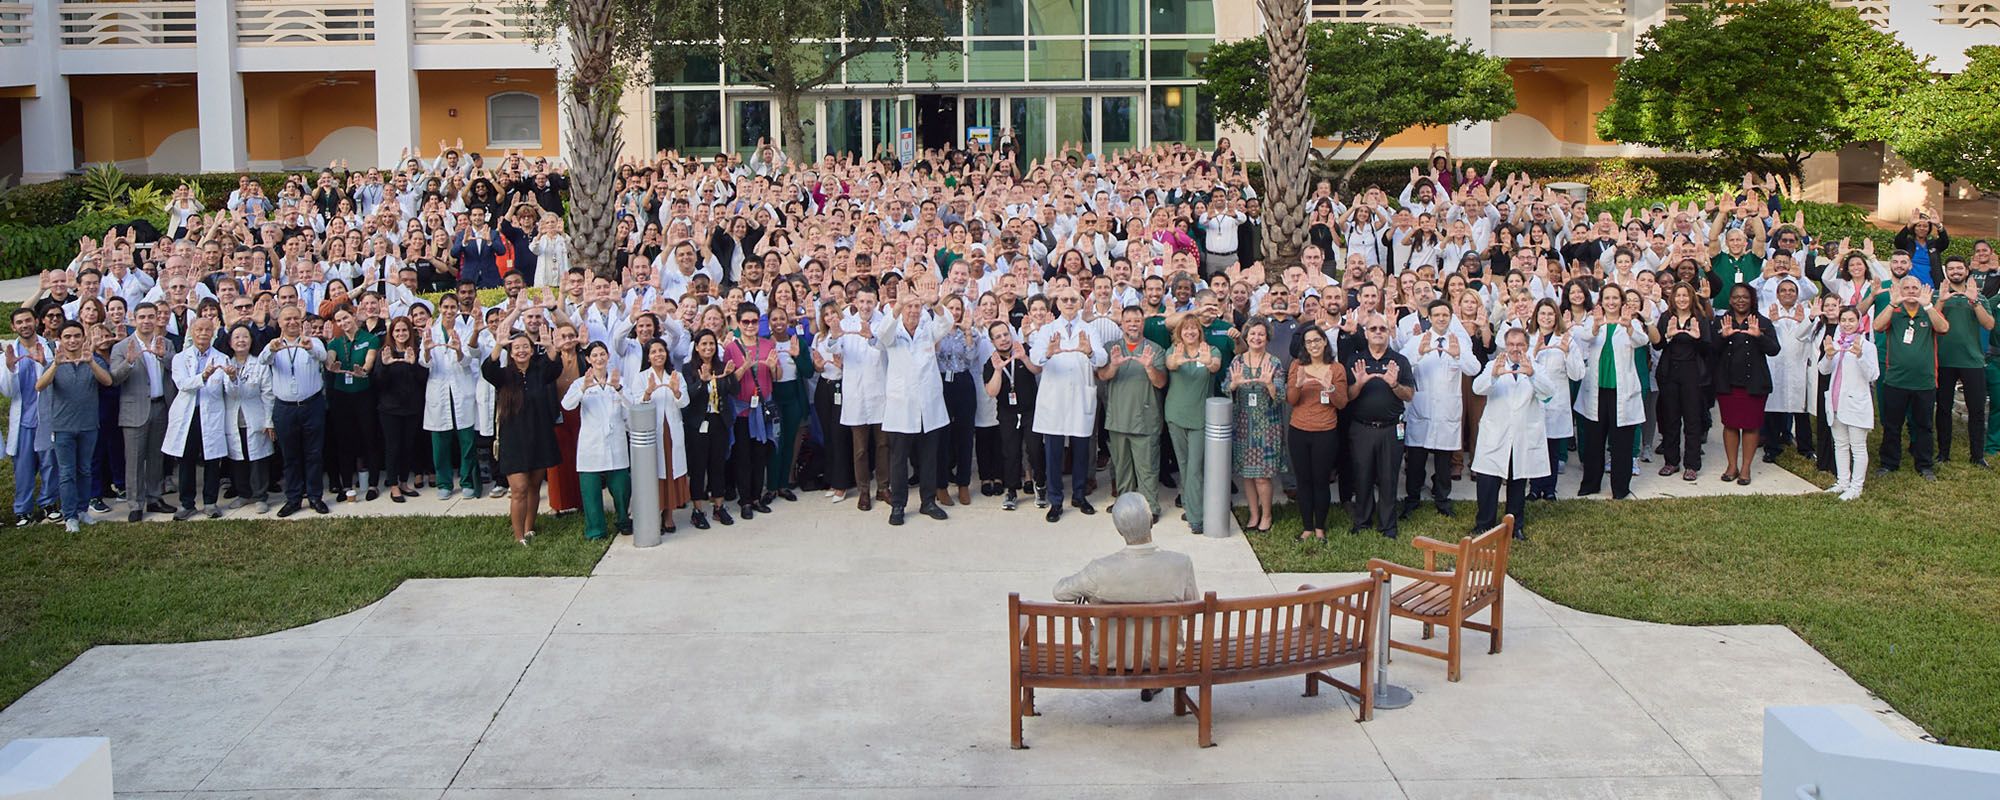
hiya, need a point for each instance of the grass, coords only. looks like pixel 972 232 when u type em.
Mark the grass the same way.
pixel 1898 588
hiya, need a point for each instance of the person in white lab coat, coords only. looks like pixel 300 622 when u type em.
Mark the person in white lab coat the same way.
pixel 31 446
pixel 1549 343
pixel 660 383
pixel 450 398
pixel 1513 438
pixel 864 374
pixel 1849 407
pixel 1791 384
pixel 1066 400
pixel 1610 400
pixel 602 459
pixel 248 423
pixel 198 421
pixel 1440 352
pixel 914 397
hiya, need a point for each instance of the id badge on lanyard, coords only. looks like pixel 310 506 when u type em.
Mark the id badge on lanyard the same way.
pixel 1910 334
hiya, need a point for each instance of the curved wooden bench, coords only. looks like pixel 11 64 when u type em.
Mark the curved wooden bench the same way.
pixel 1195 644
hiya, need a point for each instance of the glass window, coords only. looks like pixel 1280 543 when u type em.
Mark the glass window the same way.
pixel 1030 124
pixel 1121 124
pixel 1117 16
pixel 807 109
pixel 1183 16
pixel 1072 115
pixel 1177 58
pixel 1183 114
pixel 882 116
pixel 1055 60
pixel 691 70
pixel 690 122
pixel 753 124
pixel 1055 17
pixel 999 18
pixel 943 67
pixel 514 119
pixel 876 66
pixel 996 61
pixel 843 127
pixel 1117 60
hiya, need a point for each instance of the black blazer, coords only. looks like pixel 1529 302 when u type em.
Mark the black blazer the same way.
pixel 1686 358
pixel 1740 361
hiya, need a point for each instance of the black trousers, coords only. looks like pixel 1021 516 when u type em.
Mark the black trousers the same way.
pixel 838 442
pixel 191 457
pixel 301 431
pixel 986 449
pixel 399 444
pixel 1312 469
pixel 1918 407
pixel 1683 408
pixel 1974 381
pixel 1489 501
pixel 1020 449
pixel 1378 456
pixel 954 443
pixel 751 461
pixel 359 445
pixel 922 447
pixel 1592 447
pixel 1413 474
pixel 707 455
pixel 1789 427
pixel 1822 433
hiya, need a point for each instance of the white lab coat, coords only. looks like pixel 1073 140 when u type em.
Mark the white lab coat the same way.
pixel 10 385
pixel 1066 400
pixel 1513 437
pixel 1436 414
pixel 1587 340
pixel 913 393
pixel 601 444
pixel 210 398
pixel 667 405
pixel 247 409
pixel 866 374
pixel 1558 421
pixel 1791 368
pixel 1853 404
pixel 452 389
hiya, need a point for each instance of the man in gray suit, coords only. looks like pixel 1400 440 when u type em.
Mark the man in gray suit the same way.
pixel 1139 573
pixel 142 369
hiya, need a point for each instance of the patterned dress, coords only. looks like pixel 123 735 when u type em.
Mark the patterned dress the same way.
pixel 1258 447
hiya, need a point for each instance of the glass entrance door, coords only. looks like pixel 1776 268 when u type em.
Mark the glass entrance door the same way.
pixel 984 113
pixel 1118 124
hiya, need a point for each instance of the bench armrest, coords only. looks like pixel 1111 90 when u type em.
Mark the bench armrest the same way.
pixel 1412 573
pixel 1435 546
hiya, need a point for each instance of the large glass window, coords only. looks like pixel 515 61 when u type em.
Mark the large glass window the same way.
pixel 1183 114
pixel 1177 58
pixel 843 127
pixel 1121 124
pixel 753 124
pixel 1030 124
pixel 1072 115
pixel 999 18
pixel 807 112
pixel 942 67
pixel 882 119
pixel 996 61
pixel 876 66
pixel 690 122
pixel 1183 16
pixel 1117 60
pixel 691 70
pixel 1055 17
pixel 1055 60
pixel 1117 16
pixel 514 119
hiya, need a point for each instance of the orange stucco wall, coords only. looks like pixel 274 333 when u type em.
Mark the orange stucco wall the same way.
pixel 1565 95
pixel 286 114
pixel 124 120
pixel 440 92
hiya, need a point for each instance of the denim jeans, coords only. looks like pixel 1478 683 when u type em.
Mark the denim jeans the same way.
pixel 74 450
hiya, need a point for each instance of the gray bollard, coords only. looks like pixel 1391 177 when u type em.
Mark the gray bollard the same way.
pixel 643 429
pixel 1219 427
pixel 1387 695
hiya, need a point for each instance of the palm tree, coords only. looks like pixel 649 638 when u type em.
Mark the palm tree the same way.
pixel 1287 140
pixel 591 90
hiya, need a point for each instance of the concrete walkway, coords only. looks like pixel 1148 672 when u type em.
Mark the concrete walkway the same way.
pixel 821 654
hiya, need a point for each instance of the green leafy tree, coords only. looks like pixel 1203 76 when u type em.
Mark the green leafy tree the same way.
pixel 1365 83
pixel 1951 128
pixel 1770 82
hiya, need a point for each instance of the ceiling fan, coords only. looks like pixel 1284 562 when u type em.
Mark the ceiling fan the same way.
pixel 162 83
pixel 504 78
pixel 333 79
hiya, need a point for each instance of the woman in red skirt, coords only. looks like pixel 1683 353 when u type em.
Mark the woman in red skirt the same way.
pixel 1743 379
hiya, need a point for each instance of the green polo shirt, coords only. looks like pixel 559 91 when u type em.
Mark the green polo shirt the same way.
pixel 348 354
pixel 1157 333
pixel 1960 346
pixel 1731 270
pixel 1911 365
pixel 1131 403
pixel 1188 390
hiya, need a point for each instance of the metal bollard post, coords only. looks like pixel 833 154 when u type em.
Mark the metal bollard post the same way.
pixel 1217 430
pixel 643 429
pixel 1387 695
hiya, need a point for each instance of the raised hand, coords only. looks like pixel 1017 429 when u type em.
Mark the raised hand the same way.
pixel 1394 372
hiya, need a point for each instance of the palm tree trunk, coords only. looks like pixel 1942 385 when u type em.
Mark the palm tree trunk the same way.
pixel 1287 141
pixel 594 85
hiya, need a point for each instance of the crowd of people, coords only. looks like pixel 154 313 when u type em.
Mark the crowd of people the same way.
pixel 1026 324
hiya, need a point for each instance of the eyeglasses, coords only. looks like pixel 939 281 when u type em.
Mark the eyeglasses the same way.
pixel 1377 328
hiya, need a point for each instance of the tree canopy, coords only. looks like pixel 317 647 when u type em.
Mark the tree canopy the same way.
pixel 1366 83
pixel 1951 128
pixel 1782 78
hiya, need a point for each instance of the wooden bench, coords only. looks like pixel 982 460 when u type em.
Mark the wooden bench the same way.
pixel 1478 580
pixel 1195 644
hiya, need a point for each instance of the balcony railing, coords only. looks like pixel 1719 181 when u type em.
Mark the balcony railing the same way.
pixel 14 21
pixel 110 25
pixel 1430 15
pixel 450 21
pixel 1873 12
pixel 1558 15
pixel 1969 15
pixel 292 22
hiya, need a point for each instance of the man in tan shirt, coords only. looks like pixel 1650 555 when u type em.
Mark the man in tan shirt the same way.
pixel 1139 573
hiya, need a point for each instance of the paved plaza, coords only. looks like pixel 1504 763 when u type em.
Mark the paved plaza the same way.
pixel 822 653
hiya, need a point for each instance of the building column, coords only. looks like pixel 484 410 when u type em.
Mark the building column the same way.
pixel 396 121
pixel 218 88
pixel 1472 20
pixel 1903 188
pixel 639 131
pixel 48 144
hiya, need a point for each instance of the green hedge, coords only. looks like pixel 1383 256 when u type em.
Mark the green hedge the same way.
pixel 57 202
pixel 1608 177
pixel 32 249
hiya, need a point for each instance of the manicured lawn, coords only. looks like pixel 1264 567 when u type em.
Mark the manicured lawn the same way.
pixel 118 583
pixel 1899 588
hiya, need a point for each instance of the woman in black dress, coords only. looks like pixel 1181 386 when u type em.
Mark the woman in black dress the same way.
pixel 705 423
pixel 524 442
